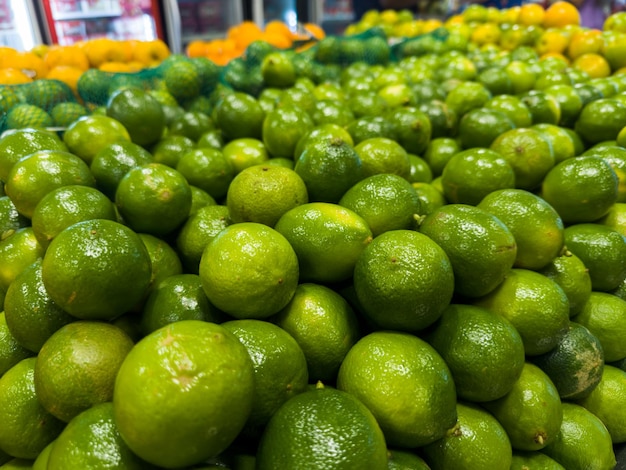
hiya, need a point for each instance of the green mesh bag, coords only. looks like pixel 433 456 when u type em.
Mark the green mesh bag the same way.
pixel 320 61
pixel 177 81
pixel 31 104
pixel 429 43
pixel 178 76
pixel 370 47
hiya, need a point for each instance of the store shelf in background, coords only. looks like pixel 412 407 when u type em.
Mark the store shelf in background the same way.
pixel 208 19
pixel 18 25
pixel 332 15
pixel 83 9
pixel 69 21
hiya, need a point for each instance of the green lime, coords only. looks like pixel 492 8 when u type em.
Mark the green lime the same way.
pixel 531 412
pixel 479 374
pixel 280 368
pixel 153 198
pixel 202 375
pixel 96 269
pixel 112 162
pixel 403 381
pixel 403 280
pixel 139 112
pixel 322 428
pixel 474 173
pixel 77 365
pixel 176 298
pixel 481 249
pixel 27 427
pixel 237 282
pixel 263 193
pixel 323 324
pixel 476 437
pixel 385 201
pixel 326 238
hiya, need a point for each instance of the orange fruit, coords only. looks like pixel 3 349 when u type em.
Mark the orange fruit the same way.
pixel 196 48
pixel 552 41
pixel 315 30
pixel 150 53
pixel 115 67
pixel 583 42
pixel 593 64
pixel 33 65
pixel 103 50
pixel 11 76
pixel 67 74
pixel 70 56
pixel 531 14
pixel 559 14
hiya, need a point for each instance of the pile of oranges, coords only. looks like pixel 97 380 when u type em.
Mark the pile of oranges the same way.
pixel 67 63
pixel 240 36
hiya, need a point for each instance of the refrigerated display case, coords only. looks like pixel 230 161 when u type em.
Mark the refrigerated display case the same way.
pixel 19 27
pixel 207 19
pixel 264 11
pixel 70 21
pixel 332 15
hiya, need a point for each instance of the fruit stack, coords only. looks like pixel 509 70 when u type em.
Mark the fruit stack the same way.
pixel 355 256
